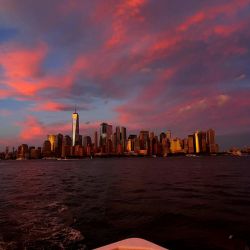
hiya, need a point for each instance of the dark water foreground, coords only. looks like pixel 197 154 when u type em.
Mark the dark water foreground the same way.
pixel 179 203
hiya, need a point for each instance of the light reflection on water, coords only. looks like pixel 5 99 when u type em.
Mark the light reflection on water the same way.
pixel 175 202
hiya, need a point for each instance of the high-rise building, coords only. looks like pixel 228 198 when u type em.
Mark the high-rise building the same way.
pixel 212 147
pixel 87 141
pixel 197 142
pixel 144 140
pixel 105 137
pixel 191 145
pixel 153 144
pixel 210 136
pixel 66 147
pixel 46 151
pixel 165 147
pixel 52 139
pixel 23 151
pixel 75 128
pixel 131 143
pixel 203 142
pixel 103 134
pixel 162 136
pixel 168 135
pixel 185 145
pixel 95 141
pixel 200 142
pixel 123 138
pixel 35 153
pixel 118 136
pixel 59 144
pixel 175 146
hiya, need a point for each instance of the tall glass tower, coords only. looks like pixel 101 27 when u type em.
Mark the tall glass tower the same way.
pixel 75 128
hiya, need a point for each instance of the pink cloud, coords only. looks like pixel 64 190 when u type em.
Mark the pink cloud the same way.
pixel 34 132
pixel 52 106
pixel 228 9
pixel 20 63
pixel 124 11
pixel 219 111
pixel 22 66
pixel 31 129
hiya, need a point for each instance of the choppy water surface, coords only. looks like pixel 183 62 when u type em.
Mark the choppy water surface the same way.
pixel 179 203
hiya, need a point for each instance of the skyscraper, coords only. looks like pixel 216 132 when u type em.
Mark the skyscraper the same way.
pixel 59 144
pixel 46 151
pixel 75 128
pixel 95 141
pixel 212 147
pixel 105 137
pixel 210 137
pixel 191 145
pixel 168 135
pixel 52 139
pixel 118 136
pixel 144 140
pixel 197 142
pixel 123 138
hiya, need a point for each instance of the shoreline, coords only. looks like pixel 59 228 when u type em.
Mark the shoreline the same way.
pixel 101 156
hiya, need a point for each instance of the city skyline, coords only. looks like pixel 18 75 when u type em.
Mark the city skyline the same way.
pixel 76 134
pixel 115 143
pixel 139 63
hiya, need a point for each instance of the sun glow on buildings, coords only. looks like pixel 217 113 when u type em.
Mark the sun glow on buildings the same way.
pixel 75 128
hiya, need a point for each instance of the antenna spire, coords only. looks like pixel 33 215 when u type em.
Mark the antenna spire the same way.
pixel 75 108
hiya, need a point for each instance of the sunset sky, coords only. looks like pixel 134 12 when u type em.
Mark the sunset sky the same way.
pixel 143 64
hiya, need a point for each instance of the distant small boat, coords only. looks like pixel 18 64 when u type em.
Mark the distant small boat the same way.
pixel 132 244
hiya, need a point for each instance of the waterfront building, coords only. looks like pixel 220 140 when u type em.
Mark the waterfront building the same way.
pixel 66 147
pixel 23 152
pixel 52 139
pixel 191 144
pixel 67 140
pixel 123 138
pixel 210 136
pixel 203 142
pixel 80 140
pixel 35 153
pixel 78 151
pixel 117 137
pixel 165 147
pixel 168 135
pixel 46 151
pixel 58 145
pixel 185 145
pixel 137 145
pixel 153 144
pixel 212 147
pixel 175 146
pixel 109 148
pixel 197 142
pixel 75 129
pixel 162 136
pixel 131 143
pixel 114 143
pixel 105 137
pixel 87 141
pixel 95 141
pixel 144 140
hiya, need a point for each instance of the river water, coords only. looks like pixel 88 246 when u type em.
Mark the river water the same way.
pixel 178 203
